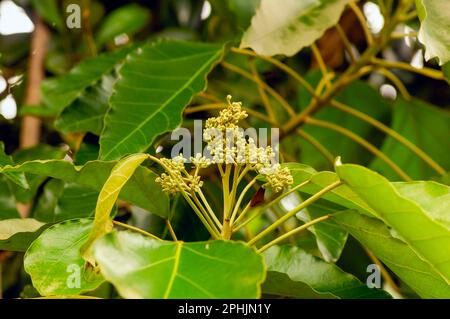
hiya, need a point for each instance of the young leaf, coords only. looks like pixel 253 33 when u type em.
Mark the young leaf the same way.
pixel 287 26
pixel 435 17
pixel 54 261
pixel 155 84
pixel 141 189
pixel 303 269
pixel 416 225
pixel 396 254
pixel 141 267
pixel 107 198
pixel 59 92
pixel 17 234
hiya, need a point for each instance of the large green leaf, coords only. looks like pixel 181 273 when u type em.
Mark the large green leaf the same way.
pixel 59 92
pixel 140 190
pixel 126 19
pixel 86 113
pixel 435 18
pixel 54 261
pixel 140 267
pixel 120 174
pixel 287 26
pixel 16 234
pixel 303 269
pixel 396 254
pixel 155 84
pixel 342 195
pixel 434 198
pixel 422 124
pixel 415 223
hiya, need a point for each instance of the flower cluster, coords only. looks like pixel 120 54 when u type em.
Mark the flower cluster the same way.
pixel 178 179
pixel 227 145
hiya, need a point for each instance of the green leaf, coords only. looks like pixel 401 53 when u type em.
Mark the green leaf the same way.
pixel 330 237
pixel 49 11
pixel 287 26
pixel 155 84
pixel 407 118
pixel 304 269
pixel 243 10
pixel 141 189
pixel 54 261
pixel 140 267
pixel 362 97
pixel 434 198
pixel 396 254
pixel 411 221
pixel 17 234
pixel 59 92
pixel 7 201
pixel 86 153
pixel 18 178
pixel 63 200
pixel 434 17
pixel 120 174
pixel 342 195
pixel 127 19
pixel 446 71
pixel 86 113
pixel 34 181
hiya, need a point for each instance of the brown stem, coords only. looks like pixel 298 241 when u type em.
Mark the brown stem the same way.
pixel 30 129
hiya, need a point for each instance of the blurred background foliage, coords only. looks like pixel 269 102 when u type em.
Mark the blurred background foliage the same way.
pixel 112 26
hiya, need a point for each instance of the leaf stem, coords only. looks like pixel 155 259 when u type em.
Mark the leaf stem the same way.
pixel 315 143
pixel 279 65
pixel 269 89
pixel 396 81
pixel 219 106
pixel 171 231
pixel 265 99
pixel 412 147
pixel 348 46
pixel 292 232
pixel 370 147
pixel 295 210
pixel 136 229
pixel 431 73
pixel 262 209
pixel 362 20
pixel 321 63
